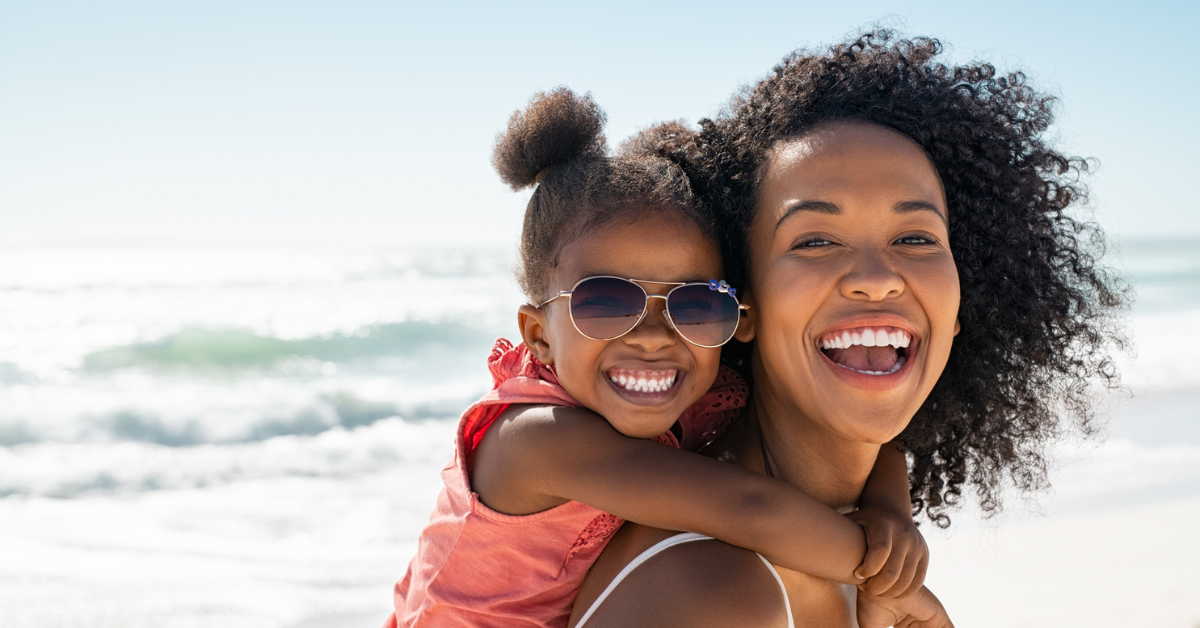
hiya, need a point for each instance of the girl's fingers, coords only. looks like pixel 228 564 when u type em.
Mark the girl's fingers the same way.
pixel 878 551
pixel 903 583
pixel 919 579
pixel 882 582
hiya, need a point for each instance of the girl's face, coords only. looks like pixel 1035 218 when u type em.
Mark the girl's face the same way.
pixel 661 246
pixel 854 291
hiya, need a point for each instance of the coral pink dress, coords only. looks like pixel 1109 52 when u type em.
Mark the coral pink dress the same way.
pixel 479 568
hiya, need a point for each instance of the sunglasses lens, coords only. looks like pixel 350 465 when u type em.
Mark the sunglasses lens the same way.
pixel 703 316
pixel 606 307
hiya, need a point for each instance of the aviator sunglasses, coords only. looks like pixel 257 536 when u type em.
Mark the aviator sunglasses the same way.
pixel 606 308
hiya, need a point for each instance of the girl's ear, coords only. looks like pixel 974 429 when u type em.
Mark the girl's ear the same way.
pixel 746 324
pixel 532 323
pixel 957 327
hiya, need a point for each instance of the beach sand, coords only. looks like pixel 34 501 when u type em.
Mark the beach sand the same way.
pixel 1113 543
pixel 1130 566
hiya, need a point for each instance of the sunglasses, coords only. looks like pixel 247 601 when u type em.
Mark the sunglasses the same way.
pixel 606 308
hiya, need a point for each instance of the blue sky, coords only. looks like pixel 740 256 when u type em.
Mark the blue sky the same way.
pixel 371 123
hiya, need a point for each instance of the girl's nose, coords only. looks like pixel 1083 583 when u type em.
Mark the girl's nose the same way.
pixel 654 333
pixel 872 279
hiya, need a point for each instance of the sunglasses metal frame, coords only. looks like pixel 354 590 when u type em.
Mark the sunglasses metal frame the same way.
pixel 716 285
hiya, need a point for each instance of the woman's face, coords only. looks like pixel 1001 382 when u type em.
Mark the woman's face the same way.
pixel 854 293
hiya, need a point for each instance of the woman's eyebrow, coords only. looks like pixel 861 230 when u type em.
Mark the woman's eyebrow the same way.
pixel 821 207
pixel 908 207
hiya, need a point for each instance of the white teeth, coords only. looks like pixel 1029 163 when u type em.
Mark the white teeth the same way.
pixel 881 337
pixel 644 384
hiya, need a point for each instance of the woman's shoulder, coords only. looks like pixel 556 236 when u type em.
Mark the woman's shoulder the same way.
pixel 698 583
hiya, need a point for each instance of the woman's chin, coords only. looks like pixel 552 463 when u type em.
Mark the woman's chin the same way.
pixel 872 424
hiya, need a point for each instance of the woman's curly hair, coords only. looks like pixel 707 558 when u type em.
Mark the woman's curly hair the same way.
pixel 1038 310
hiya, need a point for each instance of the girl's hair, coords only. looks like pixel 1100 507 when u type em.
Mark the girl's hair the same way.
pixel 557 144
pixel 1038 310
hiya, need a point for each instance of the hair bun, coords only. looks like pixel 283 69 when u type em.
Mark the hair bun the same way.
pixel 556 128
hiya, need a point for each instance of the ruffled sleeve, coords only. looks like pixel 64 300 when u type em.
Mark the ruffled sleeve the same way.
pixel 709 417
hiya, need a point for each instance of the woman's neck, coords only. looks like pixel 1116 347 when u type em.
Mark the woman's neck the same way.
pixel 803 452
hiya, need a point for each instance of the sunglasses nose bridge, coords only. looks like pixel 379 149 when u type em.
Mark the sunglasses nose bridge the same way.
pixel 662 310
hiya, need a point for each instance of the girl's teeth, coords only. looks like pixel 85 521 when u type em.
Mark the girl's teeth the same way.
pixel 643 383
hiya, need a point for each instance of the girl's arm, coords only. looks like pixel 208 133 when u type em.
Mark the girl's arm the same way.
pixel 533 458
pixel 897 556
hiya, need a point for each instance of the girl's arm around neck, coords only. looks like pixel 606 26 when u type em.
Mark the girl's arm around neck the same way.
pixel 534 458
pixel 887 486
pixel 897 556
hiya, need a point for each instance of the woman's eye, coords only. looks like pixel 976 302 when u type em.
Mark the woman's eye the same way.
pixel 916 240
pixel 812 243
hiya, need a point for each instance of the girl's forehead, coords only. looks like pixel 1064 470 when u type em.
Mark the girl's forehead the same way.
pixel 656 245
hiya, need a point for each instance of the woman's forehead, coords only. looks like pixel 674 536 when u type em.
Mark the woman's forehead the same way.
pixel 846 162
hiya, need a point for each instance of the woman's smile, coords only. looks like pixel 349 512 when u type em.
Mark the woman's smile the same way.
pixel 870 351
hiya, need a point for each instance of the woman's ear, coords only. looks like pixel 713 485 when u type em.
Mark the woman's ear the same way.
pixel 957 327
pixel 746 324
pixel 532 323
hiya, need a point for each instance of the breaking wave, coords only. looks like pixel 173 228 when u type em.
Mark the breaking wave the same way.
pixel 238 348
pixel 74 470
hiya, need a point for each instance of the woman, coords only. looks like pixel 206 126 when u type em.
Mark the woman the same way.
pixel 873 194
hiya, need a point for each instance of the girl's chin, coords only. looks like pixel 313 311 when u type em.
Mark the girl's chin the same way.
pixel 642 414
pixel 637 425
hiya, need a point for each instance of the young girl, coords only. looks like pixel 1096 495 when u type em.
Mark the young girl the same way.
pixel 619 371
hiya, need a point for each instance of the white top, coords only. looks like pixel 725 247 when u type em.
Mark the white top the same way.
pixel 678 539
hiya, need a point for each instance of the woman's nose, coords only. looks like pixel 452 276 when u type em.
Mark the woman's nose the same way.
pixel 654 333
pixel 872 279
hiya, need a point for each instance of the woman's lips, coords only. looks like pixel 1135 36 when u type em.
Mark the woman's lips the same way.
pixel 867 350
pixel 869 356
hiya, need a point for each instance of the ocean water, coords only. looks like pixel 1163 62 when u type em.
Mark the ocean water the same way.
pixel 252 437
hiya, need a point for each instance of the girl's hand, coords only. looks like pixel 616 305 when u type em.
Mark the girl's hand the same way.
pixel 921 609
pixel 897 556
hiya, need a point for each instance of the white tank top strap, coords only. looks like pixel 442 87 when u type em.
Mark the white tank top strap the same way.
pixel 662 545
